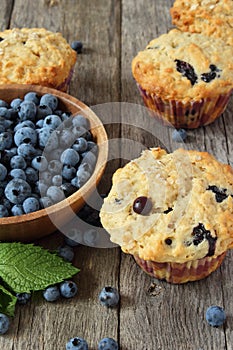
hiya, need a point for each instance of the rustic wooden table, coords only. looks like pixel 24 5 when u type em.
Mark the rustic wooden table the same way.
pixel 173 316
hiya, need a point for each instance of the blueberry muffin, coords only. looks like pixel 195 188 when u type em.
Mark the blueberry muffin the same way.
pixel 172 212
pixel 35 56
pixel 210 17
pixel 185 79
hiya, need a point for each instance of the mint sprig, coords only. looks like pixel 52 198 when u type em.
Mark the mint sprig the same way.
pixel 28 268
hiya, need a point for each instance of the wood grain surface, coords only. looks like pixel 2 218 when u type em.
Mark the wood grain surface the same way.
pixel 152 315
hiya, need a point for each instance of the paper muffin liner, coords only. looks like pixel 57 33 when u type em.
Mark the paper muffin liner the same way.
pixel 188 115
pixel 64 86
pixel 178 273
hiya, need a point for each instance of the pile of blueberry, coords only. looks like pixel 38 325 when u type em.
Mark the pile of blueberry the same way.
pixel 45 154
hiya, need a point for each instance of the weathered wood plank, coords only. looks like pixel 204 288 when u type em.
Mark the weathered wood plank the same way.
pixel 175 317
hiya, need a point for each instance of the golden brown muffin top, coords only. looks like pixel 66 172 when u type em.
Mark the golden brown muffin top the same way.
pixel 210 17
pixel 34 56
pixel 184 66
pixel 191 213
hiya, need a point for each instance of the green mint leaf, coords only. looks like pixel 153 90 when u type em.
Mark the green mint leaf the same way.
pixel 7 302
pixel 26 267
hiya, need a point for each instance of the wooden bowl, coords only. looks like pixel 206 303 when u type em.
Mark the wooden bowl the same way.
pixel 35 225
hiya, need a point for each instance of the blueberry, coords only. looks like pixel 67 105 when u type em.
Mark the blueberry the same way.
pixel 55 167
pixel 23 298
pixel 5 140
pixel 40 163
pixel 52 141
pixel 49 100
pixel 55 194
pixel 77 46
pixel 80 145
pixel 142 205
pixel 45 202
pixel 15 103
pixel 79 131
pixel 109 296
pixel 3 172
pixel 46 177
pixel 17 190
pixel 186 70
pixel 66 138
pixel 70 157
pixel 81 178
pixel 26 150
pixel 40 188
pixel 89 157
pixel 42 112
pixel 17 174
pixel 66 252
pixel 51 293
pixel 31 205
pixel 68 289
pixel 18 162
pixel 43 136
pixel 4 104
pixel 3 211
pixel 27 123
pixel 179 135
pixel 57 180
pixel 90 237
pixel 52 121
pixel 68 172
pixel 71 237
pixel 17 210
pixel 31 175
pixel 32 96
pixel 27 111
pixel 68 189
pixel 4 323
pixel 108 344
pixel 25 135
pixel 80 120
pixel 77 343
pixel 5 113
pixel 215 316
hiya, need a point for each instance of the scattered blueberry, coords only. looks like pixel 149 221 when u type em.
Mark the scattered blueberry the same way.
pixel 77 46
pixel 68 289
pixel 142 205
pixel 77 343
pixel 109 296
pixel 51 293
pixel 4 323
pixel 179 135
pixel 215 316
pixel 108 344
pixel 66 252
pixel 23 298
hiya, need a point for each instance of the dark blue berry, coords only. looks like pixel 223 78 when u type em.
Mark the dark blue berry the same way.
pixel 30 205
pixel 77 343
pixel 179 135
pixel 77 46
pixel 33 97
pixel 4 323
pixel 186 70
pixel 17 190
pixel 68 289
pixel 215 316
pixel 66 252
pixel 23 298
pixel 5 140
pixel 27 111
pixel 142 205
pixel 108 344
pixel 109 296
pixel 49 100
pixel 51 293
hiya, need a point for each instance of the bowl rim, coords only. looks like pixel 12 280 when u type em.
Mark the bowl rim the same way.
pixel 101 162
